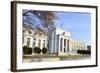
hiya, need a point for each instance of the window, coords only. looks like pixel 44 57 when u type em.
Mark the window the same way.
pixel 65 45
pixel 39 43
pixel 40 34
pixel 43 43
pixel 34 42
pixel 72 50
pixel 48 45
pixel 28 42
pixel 23 40
pixel 23 31
pixel 63 33
pixel 35 34
pixel 29 32
pixel 68 45
pixel 61 44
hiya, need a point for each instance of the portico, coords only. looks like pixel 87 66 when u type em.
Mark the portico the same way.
pixel 63 44
pixel 60 41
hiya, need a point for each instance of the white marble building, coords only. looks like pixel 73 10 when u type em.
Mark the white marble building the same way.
pixel 57 41
pixel 60 42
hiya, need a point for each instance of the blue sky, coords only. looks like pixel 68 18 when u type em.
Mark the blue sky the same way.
pixel 79 24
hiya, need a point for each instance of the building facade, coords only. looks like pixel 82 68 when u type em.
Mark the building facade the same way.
pixel 34 39
pixel 60 42
pixel 57 41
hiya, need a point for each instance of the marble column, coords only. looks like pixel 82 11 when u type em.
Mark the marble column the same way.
pixel 36 43
pixel 59 44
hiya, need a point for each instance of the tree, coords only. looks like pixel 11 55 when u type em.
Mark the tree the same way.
pixel 44 50
pixel 41 20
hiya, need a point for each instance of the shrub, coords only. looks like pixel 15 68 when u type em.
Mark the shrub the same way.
pixel 83 51
pixel 37 50
pixel 27 50
pixel 44 50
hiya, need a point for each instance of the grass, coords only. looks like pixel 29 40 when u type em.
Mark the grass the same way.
pixel 55 56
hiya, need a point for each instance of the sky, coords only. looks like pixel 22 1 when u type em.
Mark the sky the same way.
pixel 79 24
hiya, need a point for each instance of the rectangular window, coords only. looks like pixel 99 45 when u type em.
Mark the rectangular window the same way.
pixel 43 43
pixel 64 45
pixel 28 42
pixel 39 43
pixel 61 44
pixel 68 45
pixel 23 40
pixel 34 42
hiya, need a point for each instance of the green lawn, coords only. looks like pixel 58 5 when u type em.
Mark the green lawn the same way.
pixel 55 56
